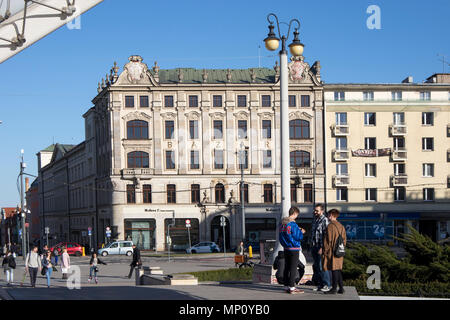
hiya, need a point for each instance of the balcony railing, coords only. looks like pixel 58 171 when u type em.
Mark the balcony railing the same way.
pixel 341 154
pixel 137 172
pixel 398 129
pixel 307 171
pixel 341 180
pixel 399 180
pixel 399 154
pixel 341 130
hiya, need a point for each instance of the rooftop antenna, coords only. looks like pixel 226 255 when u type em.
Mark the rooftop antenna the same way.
pixel 444 62
pixel 259 56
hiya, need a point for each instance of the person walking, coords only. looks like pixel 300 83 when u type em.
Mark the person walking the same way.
pixel 290 237
pixel 47 267
pixel 136 260
pixel 56 254
pixel 95 261
pixel 65 263
pixel 33 265
pixel 318 229
pixel 331 262
pixel 9 264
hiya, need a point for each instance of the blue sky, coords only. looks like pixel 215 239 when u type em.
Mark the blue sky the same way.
pixel 45 89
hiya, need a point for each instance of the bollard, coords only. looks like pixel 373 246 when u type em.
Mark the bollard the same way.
pixel 84 253
pixel 250 252
pixel 103 245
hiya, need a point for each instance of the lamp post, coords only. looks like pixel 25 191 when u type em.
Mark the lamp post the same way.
pixel 296 48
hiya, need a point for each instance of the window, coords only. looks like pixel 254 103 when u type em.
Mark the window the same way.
pixel 129 101
pixel 342 169
pixel 267 129
pixel 427 118
pixel 341 143
pixel 308 193
pixel 339 96
pixel 170 159
pixel 170 129
pixel 217 101
pixel 147 193
pixel 399 169
pixel 268 193
pixel 265 101
pixel 305 101
pixel 399 194
pixel 242 129
pixel 293 192
pixel 143 102
pixel 427 144
pixel 267 159
pixel 245 193
pixel 195 159
pixel 168 101
pixel 242 101
pixel 138 159
pixel 137 129
pixel 220 193
pixel 370 143
pixel 396 95
pixel 298 129
pixel 428 170
pixel 371 170
pixel 399 143
pixel 292 101
pixel 425 95
pixel 218 159
pixel 370 118
pixel 341 118
pixel 371 194
pixel 195 193
pixel 131 193
pixel 243 159
pixel 399 118
pixel 341 194
pixel 368 95
pixel 428 194
pixel 300 159
pixel 193 129
pixel 171 193
pixel 193 101
pixel 218 129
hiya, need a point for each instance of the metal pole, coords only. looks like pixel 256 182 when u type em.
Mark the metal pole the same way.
pixel 189 236
pixel 22 211
pixel 224 242
pixel 242 192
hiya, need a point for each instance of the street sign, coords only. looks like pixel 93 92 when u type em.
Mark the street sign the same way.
pixel 47 230
pixel 83 233
pixel 223 221
pixel 188 221
pixel 27 225
pixel 20 232
pixel 89 232
pixel 89 229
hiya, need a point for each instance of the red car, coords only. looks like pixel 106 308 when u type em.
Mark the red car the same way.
pixel 72 248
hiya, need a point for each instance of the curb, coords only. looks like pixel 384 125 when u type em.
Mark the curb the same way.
pixel 4 295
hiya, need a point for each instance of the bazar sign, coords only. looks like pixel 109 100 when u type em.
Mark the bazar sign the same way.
pixel 371 153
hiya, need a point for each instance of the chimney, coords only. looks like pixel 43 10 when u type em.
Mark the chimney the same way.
pixel 409 79
pixel 27 184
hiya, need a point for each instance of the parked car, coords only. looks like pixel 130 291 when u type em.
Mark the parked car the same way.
pixel 73 248
pixel 117 247
pixel 202 247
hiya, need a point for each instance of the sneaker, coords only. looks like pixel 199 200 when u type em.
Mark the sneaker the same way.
pixel 325 289
pixel 341 291
pixel 332 291
pixel 295 291
pixel 317 289
pixel 89 280
pixel 96 280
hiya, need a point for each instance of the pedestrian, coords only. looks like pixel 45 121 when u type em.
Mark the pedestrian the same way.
pixel 56 254
pixel 279 265
pixel 240 249
pixel 65 263
pixel 290 237
pixel 335 233
pixel 318 229
pixel 33 265
pixel 95 261
pixel 9 264
pixel 44 252
pixel 47 267
pixel 136 260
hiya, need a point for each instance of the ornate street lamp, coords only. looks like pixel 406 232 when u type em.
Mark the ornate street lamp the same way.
pixel 296 49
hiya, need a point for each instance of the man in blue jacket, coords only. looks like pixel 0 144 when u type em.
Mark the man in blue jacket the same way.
pixel 290 237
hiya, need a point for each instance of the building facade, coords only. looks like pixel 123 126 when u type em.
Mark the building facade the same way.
pixel 388 157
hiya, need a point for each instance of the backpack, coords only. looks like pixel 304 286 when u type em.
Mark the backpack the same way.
pixel 12 263
pixel 339 249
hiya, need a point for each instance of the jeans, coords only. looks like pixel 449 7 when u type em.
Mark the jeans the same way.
pixel 320 276
pixel 33 275
pixel 92 269
pixel 49 274
pixel 290 267
pixel 9 275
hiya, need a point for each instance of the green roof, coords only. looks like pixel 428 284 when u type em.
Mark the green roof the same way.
pixel 219 76
pixel 50 148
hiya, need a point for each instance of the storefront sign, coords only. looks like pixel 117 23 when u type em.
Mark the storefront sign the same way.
pixel 371 153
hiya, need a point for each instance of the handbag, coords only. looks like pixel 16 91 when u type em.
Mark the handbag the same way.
pixel 339 249
pixel 12 263
pixel 64 270
pixel 96 269
pixel 44 271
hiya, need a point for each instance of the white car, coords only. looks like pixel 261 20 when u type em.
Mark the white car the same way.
pixel 203 247
pixel 117 247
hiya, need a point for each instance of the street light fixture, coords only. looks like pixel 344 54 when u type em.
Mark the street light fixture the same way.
pixel 296 49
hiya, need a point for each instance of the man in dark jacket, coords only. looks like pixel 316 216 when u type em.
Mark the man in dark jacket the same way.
pixel 136 260
pixel 290 236
pixel 318 230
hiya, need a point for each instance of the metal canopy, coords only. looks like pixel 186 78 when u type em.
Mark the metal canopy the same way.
pixel 23 22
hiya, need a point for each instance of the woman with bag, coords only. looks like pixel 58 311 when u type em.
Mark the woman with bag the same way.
pixel 334 244
pixel 47 267
pixel 9 264
pixel 94 267
pixel 65 263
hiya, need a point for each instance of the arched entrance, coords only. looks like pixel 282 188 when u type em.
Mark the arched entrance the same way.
pixel 217 232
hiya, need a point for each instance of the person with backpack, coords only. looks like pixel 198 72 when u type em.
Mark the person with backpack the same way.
pixel 95 261
pixel 334 244
pixel 9 264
